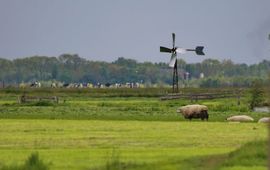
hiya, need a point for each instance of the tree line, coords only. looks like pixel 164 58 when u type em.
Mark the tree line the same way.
pixel 70 68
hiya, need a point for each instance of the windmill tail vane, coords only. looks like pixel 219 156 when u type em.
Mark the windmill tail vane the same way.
pixel 198 50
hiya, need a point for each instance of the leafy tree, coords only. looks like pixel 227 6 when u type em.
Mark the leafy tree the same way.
pixel 72 68
pixel 257 94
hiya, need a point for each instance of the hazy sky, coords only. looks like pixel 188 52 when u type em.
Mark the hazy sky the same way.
pixel 106 30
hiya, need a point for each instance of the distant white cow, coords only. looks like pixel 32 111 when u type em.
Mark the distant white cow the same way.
pixel 53 85
pixel 35 84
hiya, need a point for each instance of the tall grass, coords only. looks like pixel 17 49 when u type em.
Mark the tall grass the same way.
pixel 251 154
pixel 32 163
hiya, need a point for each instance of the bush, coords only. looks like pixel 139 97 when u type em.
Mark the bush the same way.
pixel 43 103
pixel 115 163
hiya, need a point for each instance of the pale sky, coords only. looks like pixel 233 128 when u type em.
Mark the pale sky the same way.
pixel 105 30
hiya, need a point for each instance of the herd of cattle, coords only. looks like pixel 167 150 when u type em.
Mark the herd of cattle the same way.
pixel 201 112
pixel 37 84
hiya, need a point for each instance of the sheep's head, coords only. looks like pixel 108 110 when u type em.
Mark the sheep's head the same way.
pixel 179 110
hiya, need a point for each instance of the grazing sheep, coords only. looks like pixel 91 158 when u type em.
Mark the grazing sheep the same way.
pixel 240 118
pixel 264 120
pixel 194 111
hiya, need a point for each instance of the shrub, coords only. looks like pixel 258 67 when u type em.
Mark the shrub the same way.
pixel 43 103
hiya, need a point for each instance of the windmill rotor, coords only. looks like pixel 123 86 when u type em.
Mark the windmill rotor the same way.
pixel 165 49
pixel 173 60
pixel 173 40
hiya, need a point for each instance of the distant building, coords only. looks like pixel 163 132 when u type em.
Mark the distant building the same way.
pixel 201 75
pixel 262 109
pixel 186 75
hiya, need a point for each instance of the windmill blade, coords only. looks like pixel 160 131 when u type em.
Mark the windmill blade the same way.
pixel 181 50
pixel 199 50
pixel 173 60
pixel 173 39
pixel 165 49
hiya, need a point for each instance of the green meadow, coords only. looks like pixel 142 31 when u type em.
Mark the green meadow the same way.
pixel 93 130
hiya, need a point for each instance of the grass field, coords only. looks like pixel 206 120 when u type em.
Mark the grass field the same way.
pixel 107 132
pixel 82 144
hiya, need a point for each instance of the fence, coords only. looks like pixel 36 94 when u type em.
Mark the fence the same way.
pixel 204 96
pixel 25 99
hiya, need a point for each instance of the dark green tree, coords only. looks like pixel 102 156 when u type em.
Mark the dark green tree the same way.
pixel 256 94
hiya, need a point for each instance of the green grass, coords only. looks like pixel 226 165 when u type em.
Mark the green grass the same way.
pixel 108 104
pixel 132 108
pixel 252 154
pixel 86 144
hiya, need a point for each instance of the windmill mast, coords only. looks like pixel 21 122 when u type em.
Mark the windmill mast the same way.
pixel 175 78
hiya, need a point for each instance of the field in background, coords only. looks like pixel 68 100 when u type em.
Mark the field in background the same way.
pixel 126 129
pixel 104 104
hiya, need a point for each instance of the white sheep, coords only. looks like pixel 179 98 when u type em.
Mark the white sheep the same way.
pixel 240 118
pixel 264 120
pixel 194 111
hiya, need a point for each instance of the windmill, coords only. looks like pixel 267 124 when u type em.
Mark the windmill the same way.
pixel 173 62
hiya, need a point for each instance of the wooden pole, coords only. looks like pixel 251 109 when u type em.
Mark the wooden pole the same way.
pixel 238 97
